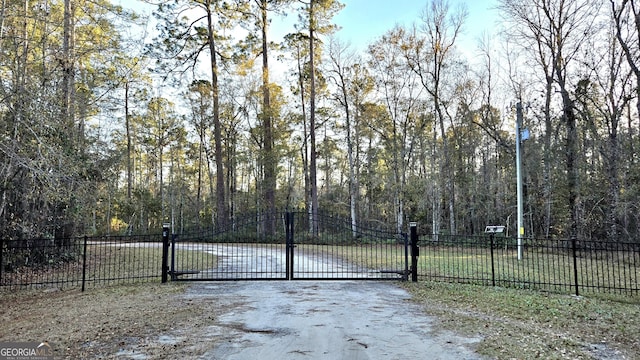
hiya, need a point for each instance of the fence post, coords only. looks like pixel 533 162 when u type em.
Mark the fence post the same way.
pixel 84 262
pixel 415 250
pixel 575 264
pixel 289 246
pixel 165 251
pixel 493 268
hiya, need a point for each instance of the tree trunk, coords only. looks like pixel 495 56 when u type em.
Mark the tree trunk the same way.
pixel 267 114
pixel 548 129
pixel 312 124
pixel 127 125
pixel 571 156
pixel 435 194
pixel 68 74
pixel 305 143
pixel 221 218
pixel 352 177
pixel 632 58
pixel 201 155
pixel 447 170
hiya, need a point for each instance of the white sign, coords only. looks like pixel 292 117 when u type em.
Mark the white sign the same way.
pixel 492 229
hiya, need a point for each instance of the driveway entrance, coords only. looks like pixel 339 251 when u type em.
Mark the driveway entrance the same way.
pixel 297 247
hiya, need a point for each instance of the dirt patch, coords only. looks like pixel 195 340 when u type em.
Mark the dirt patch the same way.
pixel 142 321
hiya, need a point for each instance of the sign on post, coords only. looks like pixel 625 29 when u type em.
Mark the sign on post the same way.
pixel 494 229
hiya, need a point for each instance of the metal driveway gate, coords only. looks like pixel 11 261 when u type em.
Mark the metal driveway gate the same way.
pixel 297 247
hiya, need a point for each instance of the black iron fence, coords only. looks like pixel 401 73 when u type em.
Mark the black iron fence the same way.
pixel 327 248
pixel 560 266
pixel 79 262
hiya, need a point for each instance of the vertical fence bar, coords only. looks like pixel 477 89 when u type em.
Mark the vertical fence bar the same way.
pixel 287 237
pixel 635 251
pixel 292 244
pixel 84 262
pixel 406 257
pixel 575 264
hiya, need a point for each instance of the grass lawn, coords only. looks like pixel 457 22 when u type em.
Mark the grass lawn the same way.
pixel 525 324
pixel 542 269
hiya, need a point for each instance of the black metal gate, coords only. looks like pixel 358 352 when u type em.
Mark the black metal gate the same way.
pixel 295 247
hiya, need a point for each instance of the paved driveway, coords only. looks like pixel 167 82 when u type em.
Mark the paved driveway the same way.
pixel 324 320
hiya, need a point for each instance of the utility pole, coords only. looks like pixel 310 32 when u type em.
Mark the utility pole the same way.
pixel 519 177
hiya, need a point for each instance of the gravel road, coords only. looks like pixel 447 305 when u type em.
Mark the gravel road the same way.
pixel 323 320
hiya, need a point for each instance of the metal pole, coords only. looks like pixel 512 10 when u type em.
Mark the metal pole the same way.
pixel 84 262
pixel 415 251
pixel 165 251
pixel 519 178
pixel 493 267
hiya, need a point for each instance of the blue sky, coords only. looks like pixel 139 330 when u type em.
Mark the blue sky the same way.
pixel 364 21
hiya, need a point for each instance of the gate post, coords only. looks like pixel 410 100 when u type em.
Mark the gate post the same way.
pixel 288 221
pixel 493 266
pixel 492 230
pixel 165 252
pixel 415 250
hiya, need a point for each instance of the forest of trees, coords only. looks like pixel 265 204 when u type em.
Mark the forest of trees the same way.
pixel 111 126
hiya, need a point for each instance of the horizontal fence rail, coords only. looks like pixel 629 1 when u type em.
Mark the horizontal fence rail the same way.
pixel 297 247
pixel 561 266
pixel 79 262
pixel 555 265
